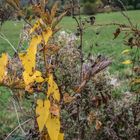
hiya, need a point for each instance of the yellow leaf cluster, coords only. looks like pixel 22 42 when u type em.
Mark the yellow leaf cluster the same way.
pixel 28 59
pixel 45 118
pixel 53 88
pixel 3 63
pixel 36 77
pixel 50 119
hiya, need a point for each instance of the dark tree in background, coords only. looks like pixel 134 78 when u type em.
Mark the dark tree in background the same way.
pixel 134 3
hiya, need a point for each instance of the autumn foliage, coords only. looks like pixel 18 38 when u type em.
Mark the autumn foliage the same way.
pixel 71 92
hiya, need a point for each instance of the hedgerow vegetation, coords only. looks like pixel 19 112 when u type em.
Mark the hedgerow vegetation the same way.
pixel 68 76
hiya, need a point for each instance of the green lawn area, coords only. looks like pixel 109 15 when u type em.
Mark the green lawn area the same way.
pixel 106 46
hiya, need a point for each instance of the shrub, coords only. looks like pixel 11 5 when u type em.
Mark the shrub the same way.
pixel 89 8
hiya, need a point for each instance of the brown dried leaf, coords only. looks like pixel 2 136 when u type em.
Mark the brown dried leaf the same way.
pixel 54 9
pixel 117 32
pixel 91 117
pixel 58 19
pixel 67 98
pixel 54 109
pixel 98 125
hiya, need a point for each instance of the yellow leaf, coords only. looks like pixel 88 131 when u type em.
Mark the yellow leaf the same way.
pixel 56 94
pixel 126 62
pixel 35 26
pixel 53 88
pixel 50 84
pixel 29 59
pixel 47 34
pixel 42 110
pixel 61 136
pixel 3 63
pixel 53 127
pixel 35 77
pixel 38 77
pixel 126 51
pixel 28 78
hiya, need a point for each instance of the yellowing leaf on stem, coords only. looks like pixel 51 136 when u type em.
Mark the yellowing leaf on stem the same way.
pixel 29 59
pixel 127 62
pixel 3 63
pixel 46 35
pixel 53 88
pixel 36 77
pixel 53 127
pixel 35 26
pixel 42 111
pixel 61 136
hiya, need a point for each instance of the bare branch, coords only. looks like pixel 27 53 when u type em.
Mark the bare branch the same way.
pixel 16 128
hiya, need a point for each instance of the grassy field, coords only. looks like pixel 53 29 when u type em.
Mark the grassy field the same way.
pixel 105 43
pixel 106 46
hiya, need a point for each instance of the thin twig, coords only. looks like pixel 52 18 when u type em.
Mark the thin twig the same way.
pixel 17 114
pixel 124 14
pixel 6 39
pixel 80 30
pixel 18 118
pixel 17 128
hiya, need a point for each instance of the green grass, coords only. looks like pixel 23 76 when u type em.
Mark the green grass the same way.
pixel 106 46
